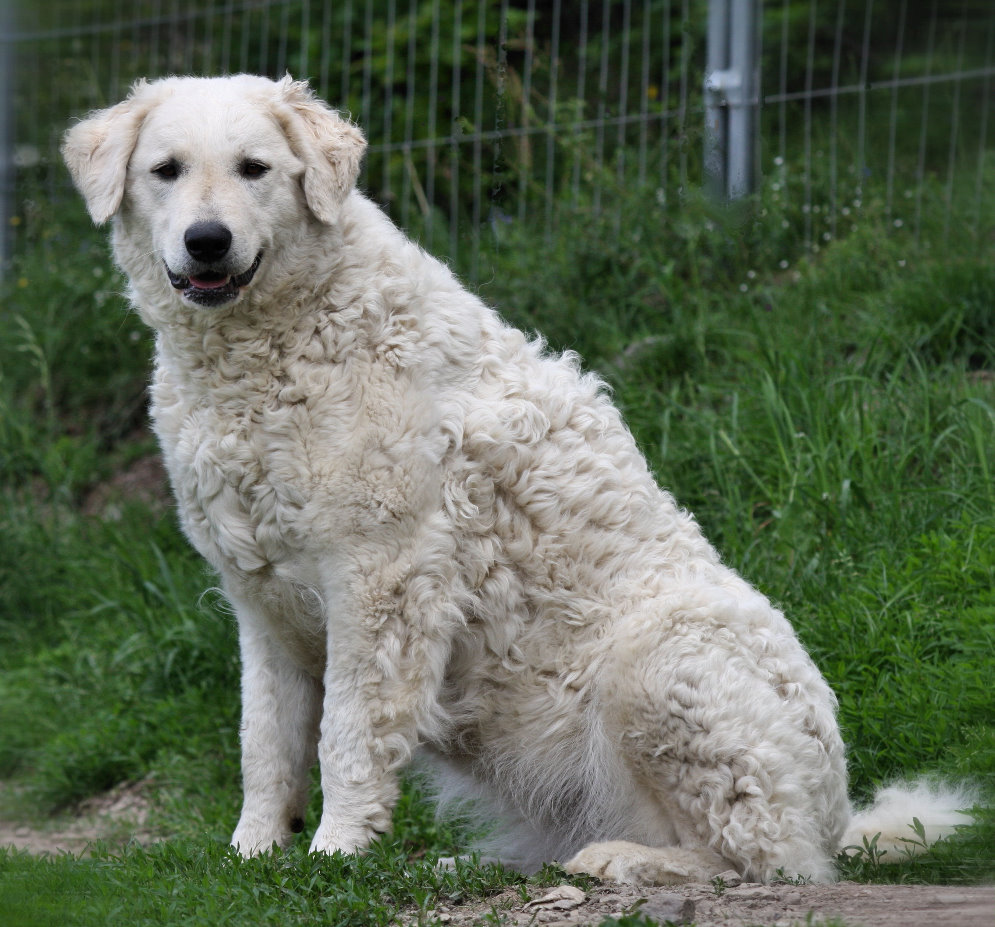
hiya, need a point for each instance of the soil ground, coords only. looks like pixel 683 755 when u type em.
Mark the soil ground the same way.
pixel 117 816
pixel 746 905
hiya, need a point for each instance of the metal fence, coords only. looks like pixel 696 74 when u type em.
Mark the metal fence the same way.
pixel 895 98
pixel 481 112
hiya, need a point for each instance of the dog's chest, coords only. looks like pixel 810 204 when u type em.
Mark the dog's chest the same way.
pixel 286 463
pixel 241 493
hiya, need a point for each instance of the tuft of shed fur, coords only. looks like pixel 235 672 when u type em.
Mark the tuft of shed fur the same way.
pixel 888 821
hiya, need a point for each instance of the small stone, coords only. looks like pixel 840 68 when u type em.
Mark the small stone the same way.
pixel 669 906
pixel 793 898
pixel 755 893
pixel 611 898
pixel 561 898
pixel 730 878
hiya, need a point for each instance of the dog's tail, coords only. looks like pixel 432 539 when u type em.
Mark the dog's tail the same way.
pixel 904 820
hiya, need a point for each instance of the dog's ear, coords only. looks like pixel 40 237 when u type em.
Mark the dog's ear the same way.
pixel 330 147
pixel 97 151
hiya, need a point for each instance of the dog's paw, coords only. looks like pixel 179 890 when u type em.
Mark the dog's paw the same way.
pixel 621 861
pixel 254 839
pixel 331 837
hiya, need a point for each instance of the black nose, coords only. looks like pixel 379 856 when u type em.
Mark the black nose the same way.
pixel 207 241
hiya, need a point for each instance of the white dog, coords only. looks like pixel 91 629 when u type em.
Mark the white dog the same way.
pixel 437 536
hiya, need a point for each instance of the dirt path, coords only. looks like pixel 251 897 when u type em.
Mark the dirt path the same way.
pixel 747 904
pixel 117 816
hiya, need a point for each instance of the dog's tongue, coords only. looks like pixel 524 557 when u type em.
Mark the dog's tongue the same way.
pixel 213 284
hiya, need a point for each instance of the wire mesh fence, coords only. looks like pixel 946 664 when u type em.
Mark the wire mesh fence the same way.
pixel 486 112
pixel 894 94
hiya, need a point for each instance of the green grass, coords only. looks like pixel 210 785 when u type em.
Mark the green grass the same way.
pixel 191 882
pixel 828 416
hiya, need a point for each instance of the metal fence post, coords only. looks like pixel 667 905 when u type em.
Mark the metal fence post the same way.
pixel 731 97
pixel 6 129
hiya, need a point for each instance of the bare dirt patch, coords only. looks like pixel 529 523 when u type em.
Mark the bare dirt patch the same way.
pixel 118 816
pixel 777 905
pixel 143 480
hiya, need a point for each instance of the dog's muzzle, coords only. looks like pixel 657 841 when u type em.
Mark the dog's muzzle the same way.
pixel 208 244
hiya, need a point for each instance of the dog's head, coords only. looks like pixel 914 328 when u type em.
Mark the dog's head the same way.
pixel 206 176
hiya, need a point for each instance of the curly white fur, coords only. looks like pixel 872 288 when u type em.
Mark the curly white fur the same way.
pixel 436 534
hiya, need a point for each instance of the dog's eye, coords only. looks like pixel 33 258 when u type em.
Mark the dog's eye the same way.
pixel 252 169
pixel 168 170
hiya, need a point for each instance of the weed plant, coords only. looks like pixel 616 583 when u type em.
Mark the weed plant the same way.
pixel 828 415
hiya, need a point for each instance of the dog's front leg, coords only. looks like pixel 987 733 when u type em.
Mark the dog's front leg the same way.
pixel 385 666
pixel 281 706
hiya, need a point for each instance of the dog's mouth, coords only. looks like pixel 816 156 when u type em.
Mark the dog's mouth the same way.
pixel 213 288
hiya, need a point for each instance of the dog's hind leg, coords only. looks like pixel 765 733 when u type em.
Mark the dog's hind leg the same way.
pixel 728 726
pixel 623 861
